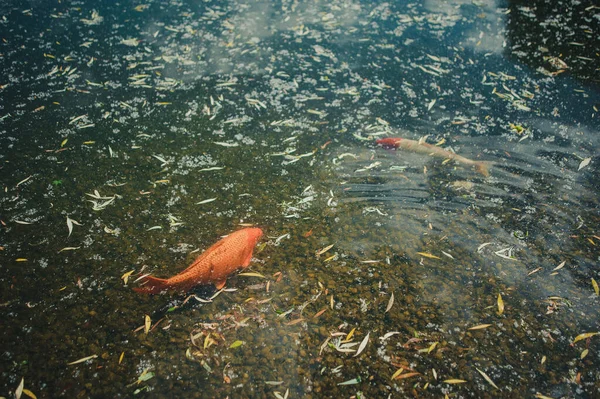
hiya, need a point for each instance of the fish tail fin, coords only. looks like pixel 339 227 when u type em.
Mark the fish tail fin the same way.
pixel 483 167
pixel 153 285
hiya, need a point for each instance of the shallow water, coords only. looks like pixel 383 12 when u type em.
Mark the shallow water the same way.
pixel 134 136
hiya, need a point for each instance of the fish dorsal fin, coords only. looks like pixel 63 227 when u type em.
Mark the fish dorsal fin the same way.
pixel 205 254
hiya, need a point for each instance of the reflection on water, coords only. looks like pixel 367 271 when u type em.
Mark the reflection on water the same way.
pixel 133 138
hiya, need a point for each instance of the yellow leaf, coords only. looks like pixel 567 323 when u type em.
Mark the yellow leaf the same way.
pixel 83 359
pixel 29 393
pixel 250 274
pixel 147 324
pixel 350 334
pixel 125 277
pixel 500 304
pixel 397 373
pixel 432 347
pixel 428 255
pixel 584 353
pixel 64 142
pixel 330 258
pixel 21 259
pixel 454 381
pixel 585 336
pixel 323 250
pixel 595 285
pixel 480 327
pixel 121 357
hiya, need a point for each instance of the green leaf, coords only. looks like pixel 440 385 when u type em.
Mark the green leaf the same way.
pixel 236 344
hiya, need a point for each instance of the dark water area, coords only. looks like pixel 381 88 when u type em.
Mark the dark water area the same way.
pixel 133 136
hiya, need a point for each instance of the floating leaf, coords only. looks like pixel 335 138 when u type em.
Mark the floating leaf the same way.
pixel 485 244
pixel 350 382
pixel 29 393
pixel 389 334
pixel 83 359
pixel 251 274
pixel 121 357
pixel 390 303
pixel 208 341
pixel 145 376
pixel 125 276
pixel 285 395
pixel 19 390
pixel 211 168
pixel 540 396
pixel 585 336
pixel 236 344
pixel 584 353
pixel 479 327
pixel 487 378
pixel 559 266
pixel 323 250
pixel 595 285
pixel 397 373
pixel 454 381
pixel 584 163
pixel 500 304
pixel 206 201
pixel 432 347
pixel 68 249
pixel 428 255
pixel 362 345
pixel 147 324
pixel 350 335
pixel 221 143
pixel 407 375
pixel 23 181
pixel 430 105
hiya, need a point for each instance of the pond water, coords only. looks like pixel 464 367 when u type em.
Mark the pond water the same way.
pixel 135 135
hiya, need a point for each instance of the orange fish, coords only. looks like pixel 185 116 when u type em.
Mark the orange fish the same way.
pixel 213 266
pixel 429 149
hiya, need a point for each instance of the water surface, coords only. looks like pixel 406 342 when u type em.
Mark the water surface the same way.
pixel 135 135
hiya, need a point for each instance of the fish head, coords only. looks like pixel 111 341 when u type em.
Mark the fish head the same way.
pixel 389 142
pixel 254 234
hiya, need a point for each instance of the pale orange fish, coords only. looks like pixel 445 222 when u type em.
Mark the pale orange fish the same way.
pixel 429 149
pixel 213 266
